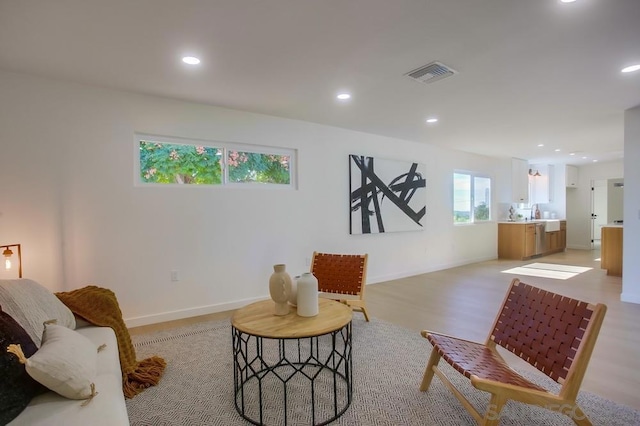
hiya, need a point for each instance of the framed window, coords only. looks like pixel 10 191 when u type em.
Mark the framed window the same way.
pixel 177 162
pixel 471 198
pixel 258 167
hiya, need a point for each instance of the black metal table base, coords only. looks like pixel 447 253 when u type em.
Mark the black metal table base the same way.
pixel 292 381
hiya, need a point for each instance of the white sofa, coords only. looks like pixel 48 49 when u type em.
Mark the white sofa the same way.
pixel 107 408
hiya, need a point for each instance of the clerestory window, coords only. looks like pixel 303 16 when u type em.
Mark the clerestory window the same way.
pixel 173 161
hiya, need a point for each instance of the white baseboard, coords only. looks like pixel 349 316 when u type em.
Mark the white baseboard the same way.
pixel 630 297
pixel 579 247
pixel 228 306
pixel 390 277
pixel 188 313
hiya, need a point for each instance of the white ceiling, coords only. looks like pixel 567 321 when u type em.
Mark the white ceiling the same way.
pixel 530 71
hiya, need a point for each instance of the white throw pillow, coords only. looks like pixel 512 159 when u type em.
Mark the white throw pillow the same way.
pixel 66 363
pixel 31 304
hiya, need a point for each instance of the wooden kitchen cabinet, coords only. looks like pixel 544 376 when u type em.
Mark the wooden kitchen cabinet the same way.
pixel 553 241
pixel 516 240
pixel 611 250
pixel 529 240
pixel 557 240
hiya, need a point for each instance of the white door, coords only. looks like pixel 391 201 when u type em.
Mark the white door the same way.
pixel 598 210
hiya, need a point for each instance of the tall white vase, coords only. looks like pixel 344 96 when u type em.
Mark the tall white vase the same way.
pixel 307 295
pixel 293 296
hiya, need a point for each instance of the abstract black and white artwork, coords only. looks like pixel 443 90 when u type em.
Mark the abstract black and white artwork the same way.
pixel 386 195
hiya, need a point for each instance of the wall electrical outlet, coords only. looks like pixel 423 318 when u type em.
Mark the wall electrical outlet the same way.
pixel 175 275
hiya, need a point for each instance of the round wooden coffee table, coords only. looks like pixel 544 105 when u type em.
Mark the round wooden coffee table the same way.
pixel 291 369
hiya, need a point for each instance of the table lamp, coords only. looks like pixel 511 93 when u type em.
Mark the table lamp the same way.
pixel 7 253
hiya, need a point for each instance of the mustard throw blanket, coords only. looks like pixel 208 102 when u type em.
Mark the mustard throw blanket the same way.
pixel 99 306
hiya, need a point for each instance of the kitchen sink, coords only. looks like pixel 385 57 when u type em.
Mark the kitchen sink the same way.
pixel 551 225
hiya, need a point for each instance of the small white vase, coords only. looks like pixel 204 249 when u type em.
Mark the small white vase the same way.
pixel 307 295
pixel 293 296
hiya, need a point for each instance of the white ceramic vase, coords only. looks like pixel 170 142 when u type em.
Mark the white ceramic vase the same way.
pixel 307 295
pixel 280 288
pixel 293 296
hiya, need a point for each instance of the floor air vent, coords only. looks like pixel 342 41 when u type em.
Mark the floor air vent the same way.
pixel 431 72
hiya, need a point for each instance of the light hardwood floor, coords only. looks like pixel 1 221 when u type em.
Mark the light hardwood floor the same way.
pixel 463 301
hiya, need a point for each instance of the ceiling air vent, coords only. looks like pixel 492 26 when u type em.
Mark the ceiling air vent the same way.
pixel 431 72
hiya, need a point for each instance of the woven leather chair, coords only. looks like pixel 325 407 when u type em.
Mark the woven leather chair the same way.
pixel 342 275
pixel 555 334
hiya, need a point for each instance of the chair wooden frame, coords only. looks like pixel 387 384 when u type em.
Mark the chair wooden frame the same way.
pixel 341 275
pixel 554 333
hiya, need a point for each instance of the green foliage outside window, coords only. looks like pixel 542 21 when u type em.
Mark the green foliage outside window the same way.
pixel 471 198
pixel 193 164
pixel 461 217
pixel 183 164
pixel 255 167
pixel 481 212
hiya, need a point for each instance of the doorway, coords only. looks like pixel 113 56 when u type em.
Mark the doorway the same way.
pixel 606 206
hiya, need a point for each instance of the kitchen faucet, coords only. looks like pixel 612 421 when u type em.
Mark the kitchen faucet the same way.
pixel 532 211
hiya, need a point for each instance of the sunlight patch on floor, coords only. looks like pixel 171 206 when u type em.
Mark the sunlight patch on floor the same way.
pixel 548 270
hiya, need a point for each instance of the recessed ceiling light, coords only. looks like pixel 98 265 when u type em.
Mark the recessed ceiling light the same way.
pixel 584 158
pixel 595 161
pixel 191 60
pixel 567 1
pixel 631 68
pixel 432 120
pixel 344 96
pixel 540 145
pixel 557 150
pixel 572 153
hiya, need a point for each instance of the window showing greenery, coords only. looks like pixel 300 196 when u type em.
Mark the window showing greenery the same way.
pixel 256 167
pixel 481 198
pixel 181 164
pixel 461 198
pixel 165 161
pixel 471 198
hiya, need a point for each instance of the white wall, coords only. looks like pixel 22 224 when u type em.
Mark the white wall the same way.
pixel 615 200
pixel 631 242
pixel 68 151
pixel 600 208
pixel 579 201
pixel 552 186
pixel 558 204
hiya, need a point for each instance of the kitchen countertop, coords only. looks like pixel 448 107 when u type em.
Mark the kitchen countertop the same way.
pixel 551 225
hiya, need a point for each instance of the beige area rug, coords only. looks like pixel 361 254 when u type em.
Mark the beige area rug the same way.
pixel 197 387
